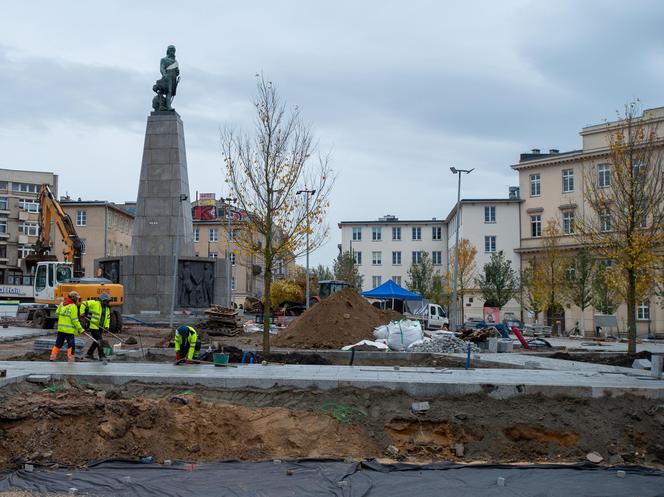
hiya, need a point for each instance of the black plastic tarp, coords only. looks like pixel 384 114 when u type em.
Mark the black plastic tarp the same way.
pixel 336 478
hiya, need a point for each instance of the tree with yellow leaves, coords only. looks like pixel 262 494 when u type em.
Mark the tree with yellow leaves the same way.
pixel 551 270
pixel 624 225
pixel 533 292
pixel 267 172
pixel 466 273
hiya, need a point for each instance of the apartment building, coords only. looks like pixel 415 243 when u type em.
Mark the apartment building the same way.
pixel 385 249
pixel 19 211
pixel 105 229
pixel 490 225
pixel 211 239
pixel 552 187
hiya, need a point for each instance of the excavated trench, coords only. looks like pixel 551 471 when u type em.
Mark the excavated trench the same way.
pixel 74 423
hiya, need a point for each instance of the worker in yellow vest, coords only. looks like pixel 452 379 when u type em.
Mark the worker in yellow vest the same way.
pixel 69 325
pixel 187 344
pixel 98 315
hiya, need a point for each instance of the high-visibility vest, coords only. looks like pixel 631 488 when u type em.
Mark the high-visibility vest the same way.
pixel 100 316
pixel 190 341
pixel 68 321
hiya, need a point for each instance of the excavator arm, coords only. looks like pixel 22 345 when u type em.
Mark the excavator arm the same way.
pixel 50 209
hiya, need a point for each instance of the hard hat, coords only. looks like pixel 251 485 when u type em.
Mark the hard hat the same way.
pixel 104 297
pixel 74 295
pixel 182 329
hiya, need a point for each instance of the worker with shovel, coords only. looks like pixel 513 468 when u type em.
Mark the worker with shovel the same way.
pixel 186 344
pixel 69 326
pixel 99 316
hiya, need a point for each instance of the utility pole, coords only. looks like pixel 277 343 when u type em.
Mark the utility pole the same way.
pixel 455 303
pixel 176 254
pixel 307 193
pixel 229 264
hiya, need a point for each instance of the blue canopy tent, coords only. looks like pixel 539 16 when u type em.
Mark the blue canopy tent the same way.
pixel 390 290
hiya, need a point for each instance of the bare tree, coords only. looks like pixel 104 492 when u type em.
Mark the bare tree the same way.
pixel 265 171
pixel 625 226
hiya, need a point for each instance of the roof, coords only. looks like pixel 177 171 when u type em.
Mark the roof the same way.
pixel 95 203
pixel 393 221
pixel 482 201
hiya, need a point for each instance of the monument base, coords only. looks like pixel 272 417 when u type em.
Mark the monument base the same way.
pixel 148 282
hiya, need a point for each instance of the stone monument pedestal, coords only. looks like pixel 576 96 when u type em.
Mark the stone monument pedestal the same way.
pixel 163 231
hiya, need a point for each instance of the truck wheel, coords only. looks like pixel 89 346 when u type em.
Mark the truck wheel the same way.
pixel 39 319
pixel 116 322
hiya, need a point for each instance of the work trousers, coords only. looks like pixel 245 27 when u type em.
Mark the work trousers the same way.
pixel 96 334
pixel 70 338
pixel 185 350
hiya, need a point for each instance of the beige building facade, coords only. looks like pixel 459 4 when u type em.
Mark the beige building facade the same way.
pixel 19 214
pixel 104 228
pixel 552 187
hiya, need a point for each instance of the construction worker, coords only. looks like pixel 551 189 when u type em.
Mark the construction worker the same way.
pixel 69 326
pixel 98 313
pixel 186 343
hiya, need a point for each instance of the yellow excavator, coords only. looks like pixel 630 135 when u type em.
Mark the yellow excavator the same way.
pixel 53 279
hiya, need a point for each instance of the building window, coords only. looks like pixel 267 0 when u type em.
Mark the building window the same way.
pixel 603 175
pixel 436 233
pixel 376 281
pixel 3 226
pixel 397 280
pixel 535 187
pixel 30 229
pixel 81 218
pixel 396 233
pixel 24 250
pixel 643 311
pixel 568 222
pixel 416 257
pixel 437 257
pixel 568 180
pixel 3 185
pixel 357 234
pixel 213 235
pixel 376 234
pixel 536 226
pixel 605 220
pixel 4 204
pixel 233 283
pixel 3 251
pixel 396 258
pixel 489 243
pixel 490 214
pixel 232 257
pixel 28 205
pixel 376 258
pixel 417 233
pixel 358 258
pixel 213 255
pixel 197 234
pixel 25 187
pixel 84 245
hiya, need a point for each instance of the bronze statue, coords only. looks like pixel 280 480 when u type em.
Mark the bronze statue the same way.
pixel 165 88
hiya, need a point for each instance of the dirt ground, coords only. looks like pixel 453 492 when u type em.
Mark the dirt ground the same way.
pixel 73 424
pixel 623 360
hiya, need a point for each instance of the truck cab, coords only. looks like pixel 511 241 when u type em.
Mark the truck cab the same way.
pixel 432 316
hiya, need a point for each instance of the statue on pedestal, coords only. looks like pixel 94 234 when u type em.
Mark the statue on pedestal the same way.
pixel 165 88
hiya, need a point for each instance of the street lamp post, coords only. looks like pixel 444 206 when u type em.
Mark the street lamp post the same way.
pixel 308 193
pixel 455 303
pixel 229 264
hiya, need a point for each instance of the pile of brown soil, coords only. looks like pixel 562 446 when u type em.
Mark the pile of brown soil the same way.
pixel 341 319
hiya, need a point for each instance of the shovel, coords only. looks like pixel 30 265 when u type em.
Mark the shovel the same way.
pixel 99 344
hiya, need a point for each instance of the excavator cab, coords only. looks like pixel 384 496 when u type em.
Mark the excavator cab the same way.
pixel 48 276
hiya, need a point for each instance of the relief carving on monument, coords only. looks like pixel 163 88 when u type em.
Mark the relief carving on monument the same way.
pixel 195 283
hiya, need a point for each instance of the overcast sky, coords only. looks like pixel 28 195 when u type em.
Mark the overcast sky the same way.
pixel 398 91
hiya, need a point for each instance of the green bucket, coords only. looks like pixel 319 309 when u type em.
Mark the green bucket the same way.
pixel 220 359
pixel 108 351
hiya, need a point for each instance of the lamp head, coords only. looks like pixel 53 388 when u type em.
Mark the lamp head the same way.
pixel 453 169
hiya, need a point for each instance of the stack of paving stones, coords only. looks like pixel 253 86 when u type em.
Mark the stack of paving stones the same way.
pixel 46 344
pixel 443 344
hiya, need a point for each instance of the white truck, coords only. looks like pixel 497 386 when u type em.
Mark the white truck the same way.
pixel 432 316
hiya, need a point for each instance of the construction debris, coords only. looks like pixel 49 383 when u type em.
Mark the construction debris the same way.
pixel 324 326
pixel 480 335
pixel 252 305
pixel 443 344
pixel 221 321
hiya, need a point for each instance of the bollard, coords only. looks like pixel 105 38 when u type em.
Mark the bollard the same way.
pixel 656 365
pixel 468 357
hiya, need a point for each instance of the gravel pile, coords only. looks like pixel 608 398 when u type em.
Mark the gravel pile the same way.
pixel 443 344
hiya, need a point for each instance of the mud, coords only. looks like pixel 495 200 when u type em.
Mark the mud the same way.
pixel 74 424
pixel 623 360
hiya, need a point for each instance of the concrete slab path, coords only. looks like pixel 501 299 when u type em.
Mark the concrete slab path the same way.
pixel 14 333
pixel 419 382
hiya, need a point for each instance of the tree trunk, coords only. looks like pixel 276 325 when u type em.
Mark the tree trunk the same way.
pixel 631 311
pixel 267 282
pixel 462 309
